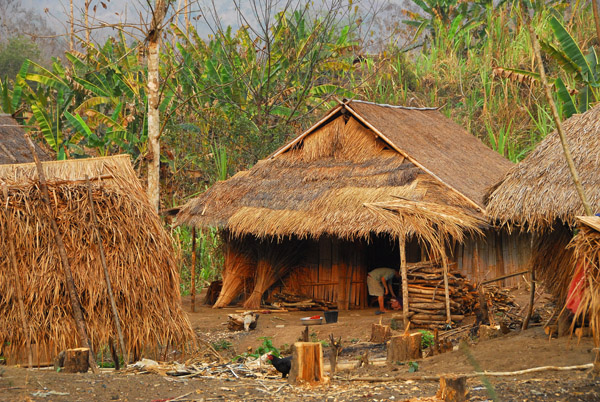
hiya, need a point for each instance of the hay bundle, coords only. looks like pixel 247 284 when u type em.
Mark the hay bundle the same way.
pixel 586 246
pixel 139 255
pixel 240 264
pixel 274 262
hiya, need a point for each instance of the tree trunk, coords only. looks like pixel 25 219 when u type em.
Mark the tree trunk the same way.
pixel 307 364
pixel 402 348
pixel 160 11
pixel 380 333
pixel 404 273
pixel 453 389
pixel 76 360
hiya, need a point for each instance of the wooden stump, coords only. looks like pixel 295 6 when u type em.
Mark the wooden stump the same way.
pixel 402 348
pixel 453 389
pixel 76 360
pixel 488 332
pixel 307 364
pixel 380 333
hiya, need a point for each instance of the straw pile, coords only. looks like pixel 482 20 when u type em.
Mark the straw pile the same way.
pixel 139 255
pixel 586 246
pixel 274 262
pixel 238 272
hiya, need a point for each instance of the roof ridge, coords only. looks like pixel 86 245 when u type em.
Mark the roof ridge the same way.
pixel 393 106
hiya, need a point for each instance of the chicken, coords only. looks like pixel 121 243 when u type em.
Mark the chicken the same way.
pixel 283 365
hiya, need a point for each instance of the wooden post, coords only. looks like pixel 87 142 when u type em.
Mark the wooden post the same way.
pixel 77 313
pixel 446 290
pixel 531 299
pixel 18 287
pixel 380 333
pixel 453 389
pixel 76 360
pixel 402 348
pixel 404 273
pixel 193 271
pixel 307 364
pixel 111 297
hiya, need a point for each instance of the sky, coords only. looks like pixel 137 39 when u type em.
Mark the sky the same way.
pixel 133 11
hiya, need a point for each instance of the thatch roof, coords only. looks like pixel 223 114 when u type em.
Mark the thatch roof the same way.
pixel 139 255
pixel 358 153
pixel 540 190
pixel 13 146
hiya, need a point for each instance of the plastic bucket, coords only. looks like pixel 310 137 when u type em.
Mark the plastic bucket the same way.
pixel 330 316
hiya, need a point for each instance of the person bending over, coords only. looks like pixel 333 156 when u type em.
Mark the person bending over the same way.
pixel 377 282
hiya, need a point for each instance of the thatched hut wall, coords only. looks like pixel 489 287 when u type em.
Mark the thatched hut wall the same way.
pixel 139 255
pixel 13 145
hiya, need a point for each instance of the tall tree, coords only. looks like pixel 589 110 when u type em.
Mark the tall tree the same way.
pixel 153 40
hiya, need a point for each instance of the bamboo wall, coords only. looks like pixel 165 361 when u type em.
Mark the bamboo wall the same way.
pixel 495 255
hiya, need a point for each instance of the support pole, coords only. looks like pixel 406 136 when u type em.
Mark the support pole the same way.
pixel 531 300
pixel 111 297
pixel 404 274
pixel 193 270
pixel 18 287
pixel 446 289
pixel 77 313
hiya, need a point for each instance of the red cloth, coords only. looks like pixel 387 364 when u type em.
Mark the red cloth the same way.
pixel 576 288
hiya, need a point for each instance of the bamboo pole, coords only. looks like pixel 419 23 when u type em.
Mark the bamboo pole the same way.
pixel 596 18
pixel 404 273
pixel 555 116
pixel 446 288
pixel 77 313
pixel 193 270
pixel 106 276
pixel 18 287
pixel 531 300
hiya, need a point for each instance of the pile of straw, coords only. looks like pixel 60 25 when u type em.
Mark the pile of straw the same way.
pixel 586 247
pixel 139 255
pixel 274 262
pixel 238 272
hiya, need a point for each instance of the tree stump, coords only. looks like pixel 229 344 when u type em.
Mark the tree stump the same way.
pixel 402 348
pixel 76 360
pixel 453 389
pixel 488 332
pixel 380 333
pixel 307 364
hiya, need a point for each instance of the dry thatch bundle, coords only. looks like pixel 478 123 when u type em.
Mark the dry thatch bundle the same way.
pixel 539 190
pixel 410 214
pixel 240 264
pixel 586 247
pixel 274 262
pixel 139 256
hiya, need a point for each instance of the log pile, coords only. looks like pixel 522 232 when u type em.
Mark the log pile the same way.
pixel 503 310
pixel 426 295
pixel 293 302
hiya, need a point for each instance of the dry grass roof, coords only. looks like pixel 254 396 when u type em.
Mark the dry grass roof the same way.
pixel 139 254
pixel 13 146
pixel 359 153
pixel 540 190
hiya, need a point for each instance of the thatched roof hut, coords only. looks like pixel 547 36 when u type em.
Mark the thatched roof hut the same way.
pixel 539 191
pixel 139 255
pixel 538 195
pixel 317 186
pixel 13 145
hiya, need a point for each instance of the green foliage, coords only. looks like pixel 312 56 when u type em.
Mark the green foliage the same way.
pixel 221 345
pixel 265 347
pixel 413 367
pixel 426 339
pixel 14 53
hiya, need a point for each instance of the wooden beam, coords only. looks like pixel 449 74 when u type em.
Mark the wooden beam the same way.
pixel 404 273
pixel 193 271
pixel 446 290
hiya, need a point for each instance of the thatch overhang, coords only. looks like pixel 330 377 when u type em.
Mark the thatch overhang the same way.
pixel 13 145
pixel 139 254
pixel 539 190
pixel 359 153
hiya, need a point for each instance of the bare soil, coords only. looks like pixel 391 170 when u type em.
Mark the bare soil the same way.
pixel 515 351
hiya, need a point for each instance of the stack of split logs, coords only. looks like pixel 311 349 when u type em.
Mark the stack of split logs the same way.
pixel 426 296
pixel 293 302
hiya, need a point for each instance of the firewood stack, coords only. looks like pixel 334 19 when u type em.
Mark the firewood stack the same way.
pixel 426 295
pixel 293 302
pixel 503 308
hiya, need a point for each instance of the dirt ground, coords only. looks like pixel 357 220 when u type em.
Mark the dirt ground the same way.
pixel 515 351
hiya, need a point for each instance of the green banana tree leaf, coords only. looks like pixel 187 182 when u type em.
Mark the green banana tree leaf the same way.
pixel 569 107
pixel 570 48
pixel 43 121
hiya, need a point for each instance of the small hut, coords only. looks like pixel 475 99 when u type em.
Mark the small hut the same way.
pixel 13 145
pixel 538 196
pixel 139 255
pixel 304 219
